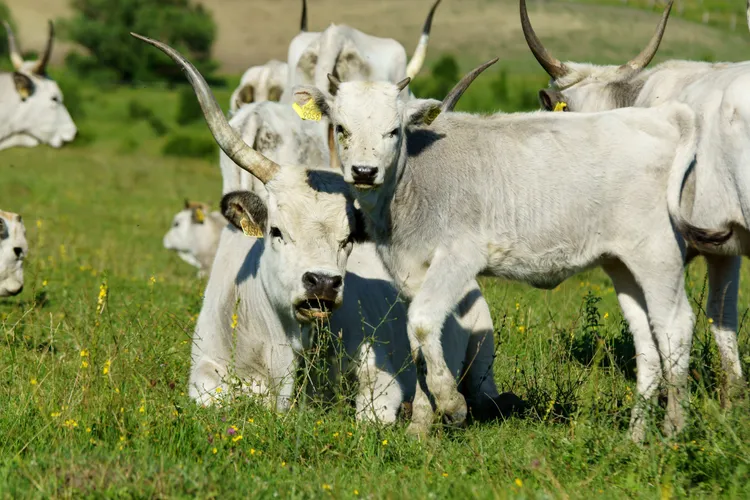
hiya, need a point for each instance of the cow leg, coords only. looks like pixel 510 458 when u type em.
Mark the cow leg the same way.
pixel 473 315
pixel 207 386
pixel 633 304
pixel 380 396
pixel 723 288
pixel 672 321
pixel 443 286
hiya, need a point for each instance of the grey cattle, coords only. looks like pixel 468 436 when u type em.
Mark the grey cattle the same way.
pixel 31 104
pixel 717 188
pixel 13 250
pixel 194 235
pixel 279 285
pixel 517 196
pixel 259 84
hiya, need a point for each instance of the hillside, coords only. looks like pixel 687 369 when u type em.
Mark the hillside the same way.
pixel 472 29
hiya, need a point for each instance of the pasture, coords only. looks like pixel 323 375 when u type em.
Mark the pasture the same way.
pixel 95 352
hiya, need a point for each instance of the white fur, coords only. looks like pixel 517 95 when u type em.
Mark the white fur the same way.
pixel 195 242
pixel 13 250
pixel 267 83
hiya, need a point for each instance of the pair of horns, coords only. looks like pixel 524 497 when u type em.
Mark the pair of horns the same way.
pixel 557 69
pixel 40 67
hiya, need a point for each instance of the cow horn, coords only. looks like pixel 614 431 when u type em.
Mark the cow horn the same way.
pixel 644 58
pixel 403 83
pixel 552 66
pixel 335 82
pixel 303 20
pixel 15 54
pixel 420 53
pixel 40 68
pixel 456 92
pixel 226 137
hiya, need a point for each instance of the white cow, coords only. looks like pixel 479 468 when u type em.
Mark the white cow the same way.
pixel 717 188
pixel 259 84
pixel 31 104
pixel 292 277
pixel 13 249
pixel 524 197
pixel 351 54
pixel 194 235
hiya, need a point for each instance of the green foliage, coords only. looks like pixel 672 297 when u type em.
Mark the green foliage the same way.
pixel 103 28
pixel 190 146
pixel 5 15
pixel 188 110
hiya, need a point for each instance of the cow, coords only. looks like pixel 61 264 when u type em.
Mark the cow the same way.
pixel 32 110
pixel 717 188
pixel 524 197
pixel 194 235
pixel 294 276
pixel 13 250
pixel 351 54
pixel 259 84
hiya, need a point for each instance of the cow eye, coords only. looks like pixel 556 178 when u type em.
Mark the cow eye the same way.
pixel 276 233
pixel 56 98
pixel 393 133
pixel 175 223
pixel 341 130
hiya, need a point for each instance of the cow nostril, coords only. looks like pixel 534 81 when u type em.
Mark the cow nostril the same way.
pixel 310 280
pixel 18 251
pixel 336 281
pixel 364 172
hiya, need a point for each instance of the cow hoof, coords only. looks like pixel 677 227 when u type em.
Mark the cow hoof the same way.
pixel 455 413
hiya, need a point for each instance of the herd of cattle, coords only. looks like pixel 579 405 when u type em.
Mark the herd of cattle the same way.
pixel 355 205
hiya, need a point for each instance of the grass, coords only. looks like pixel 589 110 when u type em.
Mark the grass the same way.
pixel 95 356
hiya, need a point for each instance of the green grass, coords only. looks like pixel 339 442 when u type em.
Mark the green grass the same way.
pixel 93 396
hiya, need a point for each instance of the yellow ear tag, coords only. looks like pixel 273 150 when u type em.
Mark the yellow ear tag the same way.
pixel 561 106
pixel 24 93
pixel 250 229
pixel 199 216
pixel 431 115
pixel 309 111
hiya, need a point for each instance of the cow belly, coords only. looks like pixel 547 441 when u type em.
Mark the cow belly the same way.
pixel 544 270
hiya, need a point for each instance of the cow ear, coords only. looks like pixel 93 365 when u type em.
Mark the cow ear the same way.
pixel 24 86
pixel 546 100
pixel 2 227
pixel 274 94
pixel 311 103
pixel 246 95
pixel 245 211
pixel 422 111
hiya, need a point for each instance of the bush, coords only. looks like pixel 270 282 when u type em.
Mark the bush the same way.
pixel 103 28
pixel 190 146
pixel 71 90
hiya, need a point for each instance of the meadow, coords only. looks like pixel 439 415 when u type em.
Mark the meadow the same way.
pixel 95 352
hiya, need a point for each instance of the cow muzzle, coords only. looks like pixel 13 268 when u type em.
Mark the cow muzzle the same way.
pixel 322 296
pixel 364 177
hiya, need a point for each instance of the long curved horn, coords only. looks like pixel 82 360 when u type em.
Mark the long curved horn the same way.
pixel 552 66
pixel 456 92
pixel 420 53
pixel 645 57
pixel 40 68
pixel 303 20
pixel 226 137
pixel 15 54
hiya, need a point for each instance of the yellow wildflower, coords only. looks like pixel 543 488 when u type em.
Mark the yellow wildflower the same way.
pixel 327 487
pixel 234 321
pixel 122 438
pixel 606 315
pixel 33 381
pixel 356 492
pixel 70 423
pixel 142 409
pixel 335 434
pixel 84 353
pixel 238 437
pixel 521 328
pixel 710 321
pixel 38 223
pixel 102 299
pixel 84 364
pixel 385 442
pixel 215 451
pixel 152 280
pixel 445 474
pixel 105 369
pixel 44 283
pixel 250 420
pixel 54 414
pixel 518 482
pixel 218 389
pixel 88 429
pixel 283 464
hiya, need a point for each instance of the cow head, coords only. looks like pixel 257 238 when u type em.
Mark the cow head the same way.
pixel 307 223
pixel 35 106
pixel 193 231
pixel 259 84
pixel 588 87
pixel 13 249
pixel 369 120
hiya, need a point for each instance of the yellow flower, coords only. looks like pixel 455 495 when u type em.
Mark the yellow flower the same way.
pixel 319 422
pixel 54 414
pixel 105 369
pixel 385 442
pixel 38 223
pixel 44 283
pixel 117 390
pixel 518 482
pixel 250 420
pixel 710 321
pixel 84 364
pixel 445 474
pixel 84 353
pixel 122 438
pixel 102 299
pixel 238 437
pixel 283 464
pixel 70 424
pixel 349 434
pixel 88 429
pixel 521 328
pixel 517 306
pixel 33 381
pixel 327 487
pixel 252 450
pixel 142 409
pixel 335 434
pixel 215 451
pixel 218 389
pixel 234 321
pixel 606 315
pixel 356 492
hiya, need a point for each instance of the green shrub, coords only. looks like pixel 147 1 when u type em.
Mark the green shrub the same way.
pixel 103 28
pixel 74 102
pixel 188 108
pixel 190 146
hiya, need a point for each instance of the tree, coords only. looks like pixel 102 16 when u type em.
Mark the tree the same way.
pixel 103 28
pixel 5 16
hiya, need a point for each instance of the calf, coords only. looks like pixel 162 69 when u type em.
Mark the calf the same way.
pixel 194 235
pixel 13 249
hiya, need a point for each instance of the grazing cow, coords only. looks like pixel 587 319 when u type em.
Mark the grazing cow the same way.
pixel 351 54
pixel 259 84
pixel 13 249
pixel 717 188
pixel 292 277
pixel 31 107
pixel 194 235
pixel 517 196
